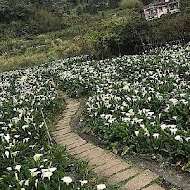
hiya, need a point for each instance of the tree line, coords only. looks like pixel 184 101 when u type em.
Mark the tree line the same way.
pixel 25 18
pixel 138 34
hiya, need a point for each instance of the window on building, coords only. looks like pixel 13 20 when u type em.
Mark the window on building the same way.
pixel 172 6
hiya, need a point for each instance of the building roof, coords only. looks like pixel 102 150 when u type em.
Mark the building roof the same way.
pixel 157 3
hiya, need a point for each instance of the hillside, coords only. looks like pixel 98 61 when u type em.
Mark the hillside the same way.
pixel 36 31
pixel 79 37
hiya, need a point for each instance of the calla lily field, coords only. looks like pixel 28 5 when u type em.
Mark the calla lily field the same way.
pixel 29 159
pixel 138 104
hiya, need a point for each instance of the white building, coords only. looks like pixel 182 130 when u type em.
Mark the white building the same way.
pixel 160 8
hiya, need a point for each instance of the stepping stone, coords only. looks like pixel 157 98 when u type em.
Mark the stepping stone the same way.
pixel 106 157
pixel 63 123
pixel 63 127
pixel 70 141
pixel 91 154
pixel 81 142
pixel 140 181
pixel 107 165
pixel 65 136
pixel 69 115
pixel 122 176
pixel 115 169
pixel 72 109
pixel 82 148
pixel 59 128
pixel 60 132
pixel 154 186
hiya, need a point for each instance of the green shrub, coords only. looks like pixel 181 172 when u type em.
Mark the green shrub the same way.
pixel 44 21
pixel 130 4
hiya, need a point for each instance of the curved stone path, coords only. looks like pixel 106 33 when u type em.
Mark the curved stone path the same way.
pixel 103 162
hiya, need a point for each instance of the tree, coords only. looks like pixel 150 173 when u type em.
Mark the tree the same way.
pixel 14 10
pixel 113 3
pixel 146 2
pixel 130 4
pixel 185 6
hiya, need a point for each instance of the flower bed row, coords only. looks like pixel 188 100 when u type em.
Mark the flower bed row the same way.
pixel 136 103
pixel 28 158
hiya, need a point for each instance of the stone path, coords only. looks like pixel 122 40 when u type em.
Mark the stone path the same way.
pixel 103 162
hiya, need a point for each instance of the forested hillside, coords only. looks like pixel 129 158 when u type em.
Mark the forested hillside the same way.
pixel 22 17
pixel 37 30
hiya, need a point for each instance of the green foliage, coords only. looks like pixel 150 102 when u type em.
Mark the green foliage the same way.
pixel 94 6
pixel 145 2
pixel 179 26
pixel 80 36
pixel 130 4
pixel 32 147
pixel 135 102
pixel 73 32
pixel 185 5
pixel 25 18
pixel 138 32
pixel 44 21
pixel 14 10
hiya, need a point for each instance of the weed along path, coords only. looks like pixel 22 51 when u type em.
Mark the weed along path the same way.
pixel 103 162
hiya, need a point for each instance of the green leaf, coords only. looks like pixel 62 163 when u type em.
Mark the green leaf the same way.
pixel 125 150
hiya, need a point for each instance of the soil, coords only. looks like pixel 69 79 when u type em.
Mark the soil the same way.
pixel 169 174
